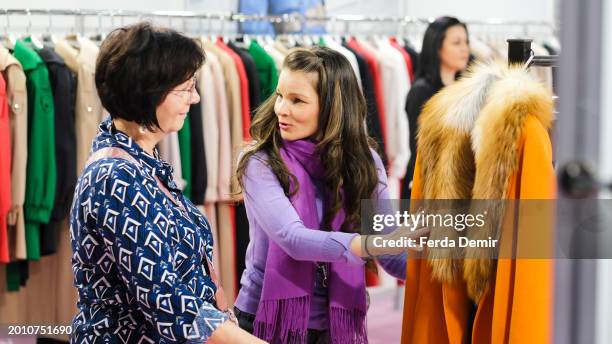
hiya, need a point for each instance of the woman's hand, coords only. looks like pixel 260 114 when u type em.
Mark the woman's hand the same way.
pixel 383 244
pixel 231 333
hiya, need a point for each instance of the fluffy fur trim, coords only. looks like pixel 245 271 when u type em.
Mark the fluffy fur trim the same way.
pixel 467 144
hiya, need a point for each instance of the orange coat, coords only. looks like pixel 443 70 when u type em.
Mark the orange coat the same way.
pixel 517 306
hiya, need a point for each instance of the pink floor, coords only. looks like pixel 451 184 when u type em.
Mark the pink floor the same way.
pixel 384 322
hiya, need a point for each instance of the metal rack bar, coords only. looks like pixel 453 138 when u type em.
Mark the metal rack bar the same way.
pixel 231 16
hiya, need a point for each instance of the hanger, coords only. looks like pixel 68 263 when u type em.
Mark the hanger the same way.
pixel 98 36
pixel 307 40
pixel 269 40
pixel 9 39
pixel 36 43
pixel 48 37
pixel 529 60
pixel 242 41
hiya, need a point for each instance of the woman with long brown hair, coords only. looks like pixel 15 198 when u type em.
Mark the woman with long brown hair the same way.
pixel 303 177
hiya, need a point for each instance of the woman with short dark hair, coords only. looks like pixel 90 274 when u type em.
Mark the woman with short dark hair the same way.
pixel 142 252
pixel 444 55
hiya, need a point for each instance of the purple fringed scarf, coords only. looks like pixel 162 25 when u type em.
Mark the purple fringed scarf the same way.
pixel 284 307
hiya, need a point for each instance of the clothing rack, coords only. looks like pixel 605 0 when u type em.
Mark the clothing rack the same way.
pixel 239 17
pixel 519 51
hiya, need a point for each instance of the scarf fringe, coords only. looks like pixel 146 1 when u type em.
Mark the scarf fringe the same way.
pixel 283 321
pixel 347 326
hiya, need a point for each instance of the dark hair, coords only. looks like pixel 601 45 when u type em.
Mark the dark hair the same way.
pixel 344 145
pixel 429 59
pixel 138 65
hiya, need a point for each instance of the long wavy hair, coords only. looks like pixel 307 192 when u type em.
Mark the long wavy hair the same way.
pixel 343 145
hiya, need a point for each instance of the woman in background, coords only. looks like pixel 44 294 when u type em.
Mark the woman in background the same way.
pixel 445 54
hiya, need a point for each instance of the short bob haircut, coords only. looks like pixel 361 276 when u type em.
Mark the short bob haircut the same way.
pixel 138 65
pixel 429 59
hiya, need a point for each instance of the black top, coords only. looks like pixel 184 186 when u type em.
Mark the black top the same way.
pixel 420 92
pixel 414 56
pixel 199 173
pixel 63 85
pixel 373 117
pixel 251 71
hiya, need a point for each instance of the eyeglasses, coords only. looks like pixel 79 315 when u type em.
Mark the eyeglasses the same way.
pixel 188 94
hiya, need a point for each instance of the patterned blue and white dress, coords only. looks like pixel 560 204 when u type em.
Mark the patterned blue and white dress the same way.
pixel 139 260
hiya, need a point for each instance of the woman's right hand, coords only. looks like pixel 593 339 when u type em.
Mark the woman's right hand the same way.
pixel 229 332
pixel 379 244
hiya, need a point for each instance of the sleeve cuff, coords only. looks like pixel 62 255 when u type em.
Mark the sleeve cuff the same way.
pixel 205 323
pixel 340 242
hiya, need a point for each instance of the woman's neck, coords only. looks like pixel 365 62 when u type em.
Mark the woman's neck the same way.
pixel 144 138
pixel 447 75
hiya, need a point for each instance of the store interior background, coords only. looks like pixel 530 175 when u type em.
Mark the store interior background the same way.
pixel 549 11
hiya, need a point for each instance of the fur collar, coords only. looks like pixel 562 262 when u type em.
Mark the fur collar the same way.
pixel 468 144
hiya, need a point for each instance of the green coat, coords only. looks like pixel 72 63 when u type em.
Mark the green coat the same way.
pixel 41 167
pixel 184 136
pixel 266 69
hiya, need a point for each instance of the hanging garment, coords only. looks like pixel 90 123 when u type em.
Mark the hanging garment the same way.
pixel 234 101
pixel 199 169
pixel 406 57
pixel 225 212
pixel 18 111
pixel 41 169
pixel 396 84
pixel 378 93
pixel 484 137
pixel 221 109
pixel 278 45
pixel 481 51
pixel 244 90
pixel 266 70
pixel 184 138
pixel 252 78
pixel 210 127
pixel 227 243
pixel 420 92
pixel 332 44
pixel 414 57
pixel 63 86
pixel 88 109
pixel 276 55
pixel 375 129
pixel 5 172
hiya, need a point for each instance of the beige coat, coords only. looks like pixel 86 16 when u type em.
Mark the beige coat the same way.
pixel 18 104
pixel 49 296
pixel 220 98
pixel 210 128
pixel 232 88
pixel 88 109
